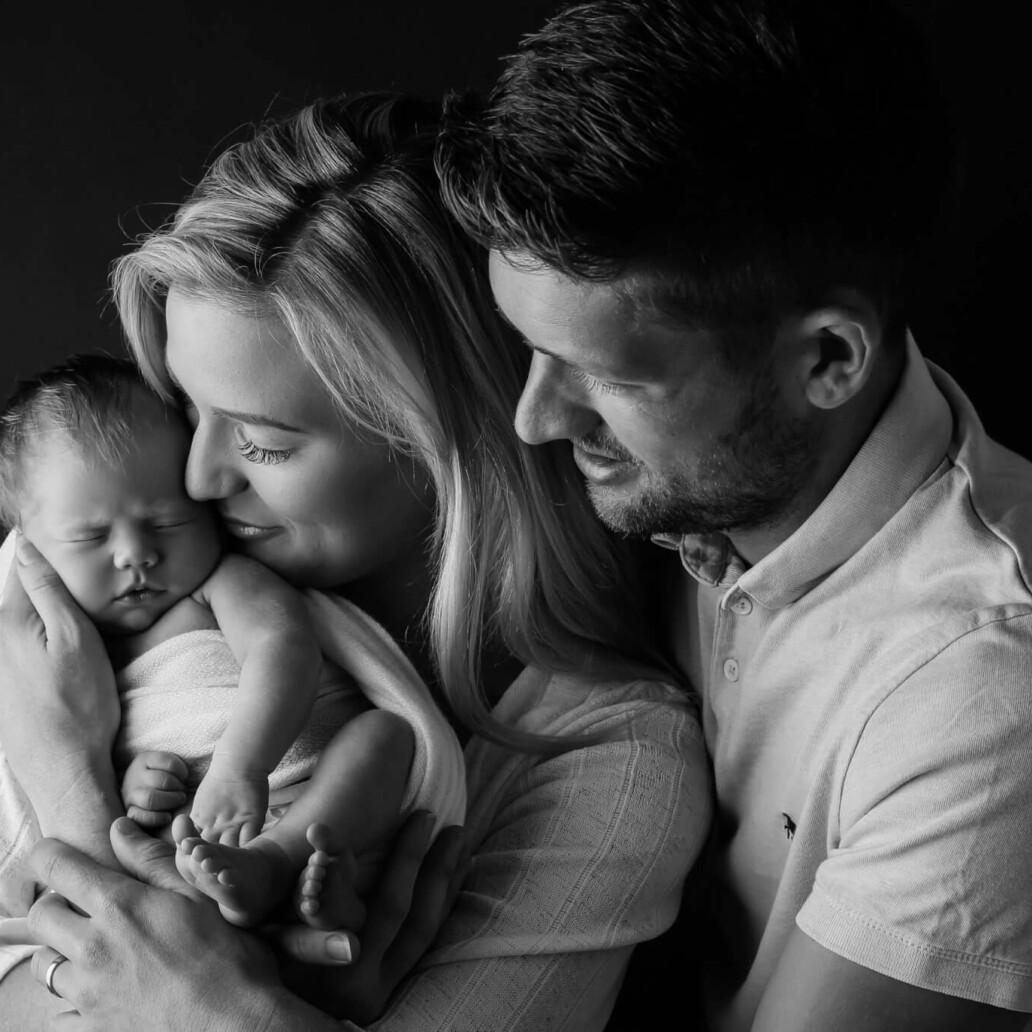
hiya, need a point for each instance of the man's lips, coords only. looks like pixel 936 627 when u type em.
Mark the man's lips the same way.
pixel 599 467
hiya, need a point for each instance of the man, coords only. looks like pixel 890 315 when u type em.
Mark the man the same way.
pixel 703 218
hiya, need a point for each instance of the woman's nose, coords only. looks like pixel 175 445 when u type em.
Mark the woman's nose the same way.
pixel 547 410
pixel 210 471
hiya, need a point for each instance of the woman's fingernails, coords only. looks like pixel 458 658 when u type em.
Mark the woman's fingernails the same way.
pixel 127 827
pixel 338 947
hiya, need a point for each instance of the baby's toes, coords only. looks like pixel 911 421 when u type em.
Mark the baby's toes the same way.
pixel 311 886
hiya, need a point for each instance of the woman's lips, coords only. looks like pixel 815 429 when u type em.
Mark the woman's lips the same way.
pixel 248 531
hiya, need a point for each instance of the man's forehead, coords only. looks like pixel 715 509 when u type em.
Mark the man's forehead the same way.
pixel 530 292
pixel 608 328
pixel 639 298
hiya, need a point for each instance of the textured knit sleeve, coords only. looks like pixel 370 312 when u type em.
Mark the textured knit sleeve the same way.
pixel 577 858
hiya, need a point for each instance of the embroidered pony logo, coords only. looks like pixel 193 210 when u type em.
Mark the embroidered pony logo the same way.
pixel 789 826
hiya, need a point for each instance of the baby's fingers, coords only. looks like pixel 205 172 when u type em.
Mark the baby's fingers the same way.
pixel 169 763
pixel 153 790
pixel 149 818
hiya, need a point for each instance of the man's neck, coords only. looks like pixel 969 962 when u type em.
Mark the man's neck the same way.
pixel 841 438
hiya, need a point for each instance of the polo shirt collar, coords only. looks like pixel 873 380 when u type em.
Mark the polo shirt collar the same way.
pixel 906 446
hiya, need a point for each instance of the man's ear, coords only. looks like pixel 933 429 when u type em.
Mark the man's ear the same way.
pixel 841 343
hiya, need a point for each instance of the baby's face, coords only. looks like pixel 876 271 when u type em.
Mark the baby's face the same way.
pixel 126 539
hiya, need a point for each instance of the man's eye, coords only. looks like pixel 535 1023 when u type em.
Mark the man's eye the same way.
pixel 592 382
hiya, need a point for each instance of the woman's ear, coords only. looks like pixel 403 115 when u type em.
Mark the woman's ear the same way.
pixel 841 343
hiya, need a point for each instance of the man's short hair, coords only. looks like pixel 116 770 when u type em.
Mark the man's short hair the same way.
pixel 94 401
pixel 753 153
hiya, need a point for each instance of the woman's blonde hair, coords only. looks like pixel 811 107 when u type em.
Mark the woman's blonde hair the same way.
pixel 331 221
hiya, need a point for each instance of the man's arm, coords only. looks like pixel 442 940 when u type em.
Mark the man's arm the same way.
pixel 814 990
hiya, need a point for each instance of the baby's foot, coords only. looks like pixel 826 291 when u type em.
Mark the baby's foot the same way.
pixel 245 881
pixel 326 888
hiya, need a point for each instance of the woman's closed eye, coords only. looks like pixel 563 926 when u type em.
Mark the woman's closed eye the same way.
pixel 263 456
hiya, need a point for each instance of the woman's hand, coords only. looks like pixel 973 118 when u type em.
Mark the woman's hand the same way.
pixel 413 896
pixel 59 710
pixel 151 954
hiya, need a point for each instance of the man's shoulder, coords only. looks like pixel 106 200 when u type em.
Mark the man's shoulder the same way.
pixel 998 488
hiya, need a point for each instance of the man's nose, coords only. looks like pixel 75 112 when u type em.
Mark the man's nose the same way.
pixel 210 472
pixel 548 409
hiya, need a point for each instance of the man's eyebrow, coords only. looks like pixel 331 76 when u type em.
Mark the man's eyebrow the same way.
pixel 251 418
pixel 526 343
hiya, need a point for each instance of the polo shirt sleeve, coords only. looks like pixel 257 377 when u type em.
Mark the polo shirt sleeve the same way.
pixel 928 877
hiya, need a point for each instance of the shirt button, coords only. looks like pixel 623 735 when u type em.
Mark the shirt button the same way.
pixel 742 605
pixel 731 669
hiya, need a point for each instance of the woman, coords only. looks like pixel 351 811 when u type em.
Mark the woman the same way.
pixel 329 332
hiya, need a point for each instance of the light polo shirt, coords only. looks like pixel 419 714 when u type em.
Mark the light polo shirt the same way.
pixel 867 704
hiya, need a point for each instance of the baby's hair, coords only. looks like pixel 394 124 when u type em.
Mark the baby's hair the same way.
pixel 91 400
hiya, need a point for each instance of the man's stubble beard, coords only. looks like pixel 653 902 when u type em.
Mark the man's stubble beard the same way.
pixel 749 481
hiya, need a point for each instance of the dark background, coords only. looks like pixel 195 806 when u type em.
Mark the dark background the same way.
pixel 109 113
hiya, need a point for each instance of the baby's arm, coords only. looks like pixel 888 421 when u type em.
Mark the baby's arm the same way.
pixel 268 629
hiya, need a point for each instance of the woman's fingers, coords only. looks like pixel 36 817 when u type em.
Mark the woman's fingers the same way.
pixel 388 907
pixel 313 946
pixel 437 884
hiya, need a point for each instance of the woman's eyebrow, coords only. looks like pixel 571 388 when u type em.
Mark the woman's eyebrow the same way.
pixel 258 419
pixel 251 418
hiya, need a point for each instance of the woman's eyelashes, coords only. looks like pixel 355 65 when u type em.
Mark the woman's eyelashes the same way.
pixel 263 456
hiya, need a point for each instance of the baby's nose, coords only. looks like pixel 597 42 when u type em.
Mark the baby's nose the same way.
pixel 136 553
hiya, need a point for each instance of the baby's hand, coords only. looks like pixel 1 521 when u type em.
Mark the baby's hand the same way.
pixel 231 802
pixel 153 788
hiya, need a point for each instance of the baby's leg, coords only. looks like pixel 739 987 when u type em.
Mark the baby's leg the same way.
pixel 355 792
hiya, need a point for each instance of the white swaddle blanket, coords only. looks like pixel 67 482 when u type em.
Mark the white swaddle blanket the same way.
pixel 176 698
